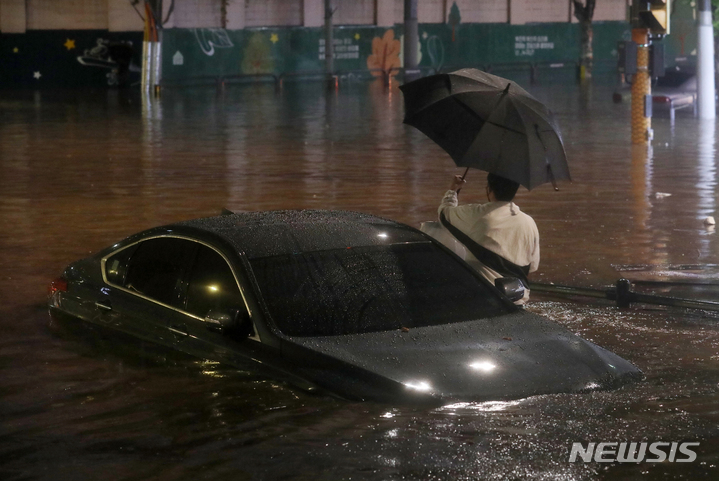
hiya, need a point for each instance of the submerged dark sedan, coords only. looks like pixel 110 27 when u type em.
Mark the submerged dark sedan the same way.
pixel 347 303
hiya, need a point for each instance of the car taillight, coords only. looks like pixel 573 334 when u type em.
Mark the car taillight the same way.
pixel 58 285
pixel 661 99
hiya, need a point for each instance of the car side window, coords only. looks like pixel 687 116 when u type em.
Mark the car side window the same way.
pixel 116 266
pixel 212 285
pixel 157 268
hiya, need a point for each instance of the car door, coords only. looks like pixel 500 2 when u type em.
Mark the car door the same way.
pixel 146 282
pixel 213 287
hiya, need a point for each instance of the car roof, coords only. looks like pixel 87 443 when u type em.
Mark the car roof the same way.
pixel 271 233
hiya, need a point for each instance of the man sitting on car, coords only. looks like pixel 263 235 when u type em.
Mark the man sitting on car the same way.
pixel 501 240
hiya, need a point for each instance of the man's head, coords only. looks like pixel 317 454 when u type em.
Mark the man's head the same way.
pixel 503 189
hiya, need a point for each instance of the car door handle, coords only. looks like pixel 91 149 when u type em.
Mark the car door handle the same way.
pixel 104 305
pixel 179 329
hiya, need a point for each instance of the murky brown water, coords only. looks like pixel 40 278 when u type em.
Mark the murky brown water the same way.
pixel 80 170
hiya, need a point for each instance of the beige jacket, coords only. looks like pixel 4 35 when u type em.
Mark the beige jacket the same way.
pixel 498 226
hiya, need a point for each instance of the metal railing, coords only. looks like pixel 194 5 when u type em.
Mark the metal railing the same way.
pixel 532 67
pixel 623 295
pixel 385 74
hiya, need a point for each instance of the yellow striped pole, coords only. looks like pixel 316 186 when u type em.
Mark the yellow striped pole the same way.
pixel 641 87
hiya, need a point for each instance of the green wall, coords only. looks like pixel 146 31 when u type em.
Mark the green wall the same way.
pixel 48 58
pixel 205 54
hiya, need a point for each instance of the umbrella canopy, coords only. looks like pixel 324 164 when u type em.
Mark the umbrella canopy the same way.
pixel 489 123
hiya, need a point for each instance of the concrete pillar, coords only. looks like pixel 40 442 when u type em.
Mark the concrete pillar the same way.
pixel 411 38
pixel 329 40
pixel 313 14
pixel 706 90
pixel 14 16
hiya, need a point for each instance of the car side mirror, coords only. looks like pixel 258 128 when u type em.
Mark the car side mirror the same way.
pixel 233 323
pixel 510 287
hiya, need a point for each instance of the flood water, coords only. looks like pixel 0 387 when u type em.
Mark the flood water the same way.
pixel 79 170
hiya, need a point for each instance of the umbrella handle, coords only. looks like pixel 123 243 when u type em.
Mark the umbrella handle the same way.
pixel 463 176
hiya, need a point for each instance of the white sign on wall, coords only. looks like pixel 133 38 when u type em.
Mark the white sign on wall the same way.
pixel 527 45
pixel 343 48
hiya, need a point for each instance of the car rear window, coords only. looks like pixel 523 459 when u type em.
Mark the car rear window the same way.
pixel 365 289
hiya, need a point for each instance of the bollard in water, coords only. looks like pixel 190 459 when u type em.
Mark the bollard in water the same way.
pixel 624 293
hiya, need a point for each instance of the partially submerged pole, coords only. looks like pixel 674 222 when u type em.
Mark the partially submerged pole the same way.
pixel 151 53
pixel 411 40
pixel 647 18
pixel 146 55
pixel 705 62
pixel 157 67
pixel 623 295
pixel 641 90
pixel 329 46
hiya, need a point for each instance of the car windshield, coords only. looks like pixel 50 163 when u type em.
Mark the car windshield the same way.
pixel 365 289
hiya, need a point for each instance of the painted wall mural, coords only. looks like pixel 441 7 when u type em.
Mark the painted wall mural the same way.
pixel 69 59
pixel 384 59
pixel 435 50
pixel 257 56
pixel 211 38
pixel 116 57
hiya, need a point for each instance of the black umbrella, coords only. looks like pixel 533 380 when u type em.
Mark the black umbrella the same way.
pixel 489 123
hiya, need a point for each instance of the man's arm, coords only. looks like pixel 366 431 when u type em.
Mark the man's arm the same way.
pixel 450 197
pixel 463 217
pixel 449 200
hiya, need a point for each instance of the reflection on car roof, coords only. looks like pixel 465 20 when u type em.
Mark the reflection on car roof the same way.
pixel 264 234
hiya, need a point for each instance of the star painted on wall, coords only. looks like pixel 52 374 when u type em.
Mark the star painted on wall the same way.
pixel 357 36
pixel 69 44
pixel 274 38
pixel 37 75
pixel 15 50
